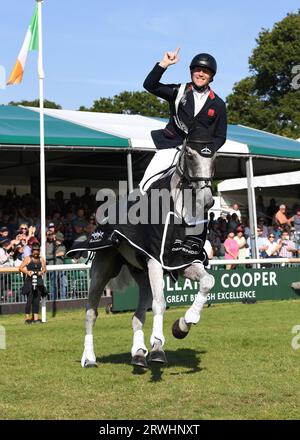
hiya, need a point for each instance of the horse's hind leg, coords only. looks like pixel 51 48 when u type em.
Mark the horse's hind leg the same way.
pixel 139 350
pixel 195 272
pixel 105 266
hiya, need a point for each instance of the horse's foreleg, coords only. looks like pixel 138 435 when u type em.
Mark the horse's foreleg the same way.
pixel 103 268
pixel 157 340
pixel 195 272
pixel 88 357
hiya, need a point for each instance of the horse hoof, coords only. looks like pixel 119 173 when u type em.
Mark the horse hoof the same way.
pixel 158 356
pixel 177 332
pixel 139 361
pixel 90 364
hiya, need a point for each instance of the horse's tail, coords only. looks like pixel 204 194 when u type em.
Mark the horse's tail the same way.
pixel 122 281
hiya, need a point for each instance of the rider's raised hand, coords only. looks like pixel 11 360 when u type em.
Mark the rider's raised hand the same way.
pixel 170 58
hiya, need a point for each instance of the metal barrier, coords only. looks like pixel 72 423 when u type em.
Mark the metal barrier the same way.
pixel 65 281
pixel 71 281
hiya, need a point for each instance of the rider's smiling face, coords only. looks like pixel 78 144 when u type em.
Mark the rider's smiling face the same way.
pixel 201 76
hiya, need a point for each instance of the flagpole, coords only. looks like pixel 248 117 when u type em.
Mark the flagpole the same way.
pixel 42 144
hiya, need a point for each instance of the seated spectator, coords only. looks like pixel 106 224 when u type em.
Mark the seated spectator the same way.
pixel 231 249
pixel 4 232
pixel 288 247
pixel 296 221
pixel 79 237
pixel 261 244
pixel 241 241
pixel 277 231
pixel 68 229
pixel 80 234
pixel 57 220
pixel 80 218
pixel 51 229
pixel 4 252
pixel 264 228
pixel 18 254
pixel 273 246
pixel 247 230
pixel 26 231
pixel 233 223
pixel 235 210
pixel 280 218
pixel 28 247
pixel 92 225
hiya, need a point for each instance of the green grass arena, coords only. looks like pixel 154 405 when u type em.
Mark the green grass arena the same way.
pixel 237 363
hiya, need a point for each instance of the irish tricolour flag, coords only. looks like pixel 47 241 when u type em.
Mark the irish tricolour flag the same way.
pixel 31 42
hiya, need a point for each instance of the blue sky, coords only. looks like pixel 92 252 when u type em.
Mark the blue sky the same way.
pixel 97 48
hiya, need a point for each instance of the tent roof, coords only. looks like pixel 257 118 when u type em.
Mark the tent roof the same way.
pixel 240 139
pixel 264 143
pixel 283 179
pixel 134 127
pixel 71 130
pixel 20 126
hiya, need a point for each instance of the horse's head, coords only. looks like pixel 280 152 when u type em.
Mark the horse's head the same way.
pixel 196 163
pixel 195 170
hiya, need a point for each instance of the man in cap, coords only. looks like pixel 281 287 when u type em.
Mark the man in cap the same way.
pixel 51 228
pixel 4 232
pixel 194 108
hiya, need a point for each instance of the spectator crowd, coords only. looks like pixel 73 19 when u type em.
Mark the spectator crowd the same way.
pixel 70 221
pixel 278 233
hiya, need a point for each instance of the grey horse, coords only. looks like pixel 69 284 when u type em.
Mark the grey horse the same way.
pixel 193 171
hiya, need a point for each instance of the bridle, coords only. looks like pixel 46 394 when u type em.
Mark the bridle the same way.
pixel 186 180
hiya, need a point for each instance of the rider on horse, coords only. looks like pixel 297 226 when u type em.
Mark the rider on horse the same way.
pixel 194 108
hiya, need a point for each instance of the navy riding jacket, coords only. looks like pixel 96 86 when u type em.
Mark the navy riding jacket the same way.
pixel 211 119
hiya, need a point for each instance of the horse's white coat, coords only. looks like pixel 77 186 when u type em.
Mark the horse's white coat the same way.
pixel 107 264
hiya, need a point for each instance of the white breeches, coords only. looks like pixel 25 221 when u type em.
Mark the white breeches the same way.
pixel 161 161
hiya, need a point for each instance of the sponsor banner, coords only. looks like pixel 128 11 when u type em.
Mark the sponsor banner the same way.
pixel 230 286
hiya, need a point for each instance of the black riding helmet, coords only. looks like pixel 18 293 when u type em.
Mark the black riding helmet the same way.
pixel 204 60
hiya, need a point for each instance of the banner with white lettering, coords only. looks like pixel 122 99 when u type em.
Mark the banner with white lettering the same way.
pixel 230 286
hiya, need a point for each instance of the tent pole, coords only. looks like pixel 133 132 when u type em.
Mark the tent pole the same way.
pixel 252 207
pixel 129 172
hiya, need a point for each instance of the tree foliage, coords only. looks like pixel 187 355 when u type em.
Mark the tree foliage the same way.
pixel 131 103
pixel 269 99
pixel 36 103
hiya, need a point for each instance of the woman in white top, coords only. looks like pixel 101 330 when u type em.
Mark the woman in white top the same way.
pixel 272 246
pixel 241 241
